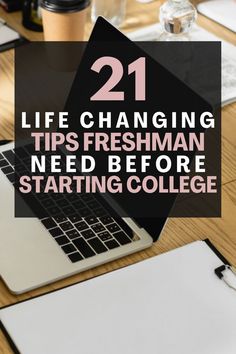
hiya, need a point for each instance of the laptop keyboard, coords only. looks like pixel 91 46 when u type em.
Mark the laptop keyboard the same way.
pixel 78 223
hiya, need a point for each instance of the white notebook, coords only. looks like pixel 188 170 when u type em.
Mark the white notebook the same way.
pixel 153 33
pixel 7 34
pixel 221 11
pixel 169 304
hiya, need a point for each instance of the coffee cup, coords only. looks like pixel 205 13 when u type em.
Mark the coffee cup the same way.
pixel 64 20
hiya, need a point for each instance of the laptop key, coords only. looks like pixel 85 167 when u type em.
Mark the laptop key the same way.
pixel 75 218
pixel 80 226
pixel 98 227
pixel 30 148
pixel 84 212
pixel 7 169
pixel 66 226
pixel 86 197
pixel 100 212
pixel 62 203
pixel 3 163
pixel 78 204
pixel 75 257
pixel 91 220
pixel 105 236
pixel 93 204
pixel 62 240
pixel 106 220
pixel 56 231
pixel 1 157
pixel 57 196
pixel 20 169
pixel 69 210
pixel 83 247
pixel 60 218
pixel 113 227
pixel 42 196
pixel 49 223
pixel 122 238
pixel 97 245
pixel 72 234
pixel 10 156
pixel 11 177
pixel 53 211
pixel 88 234
pixel 48 203
pixel 27 162
pixel 21 152
pixel 69 248
pixel 112 244
pixel 72 197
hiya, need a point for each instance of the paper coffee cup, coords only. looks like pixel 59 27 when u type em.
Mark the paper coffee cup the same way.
pixel 64 20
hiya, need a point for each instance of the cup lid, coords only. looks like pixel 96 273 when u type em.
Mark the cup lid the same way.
pixel 64 5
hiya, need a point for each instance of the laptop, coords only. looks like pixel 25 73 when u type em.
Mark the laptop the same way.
pixel 79 233
pixel 70 233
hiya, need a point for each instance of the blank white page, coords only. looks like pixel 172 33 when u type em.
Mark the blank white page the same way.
pixel 7 34
pixel 169 304
pixel 221 11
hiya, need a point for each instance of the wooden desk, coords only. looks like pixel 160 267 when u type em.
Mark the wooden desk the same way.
pixel 222 231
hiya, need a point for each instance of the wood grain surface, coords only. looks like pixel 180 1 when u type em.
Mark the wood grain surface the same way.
pixel 178 232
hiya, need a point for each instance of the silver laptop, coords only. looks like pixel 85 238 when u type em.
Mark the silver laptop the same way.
pixel 42 250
